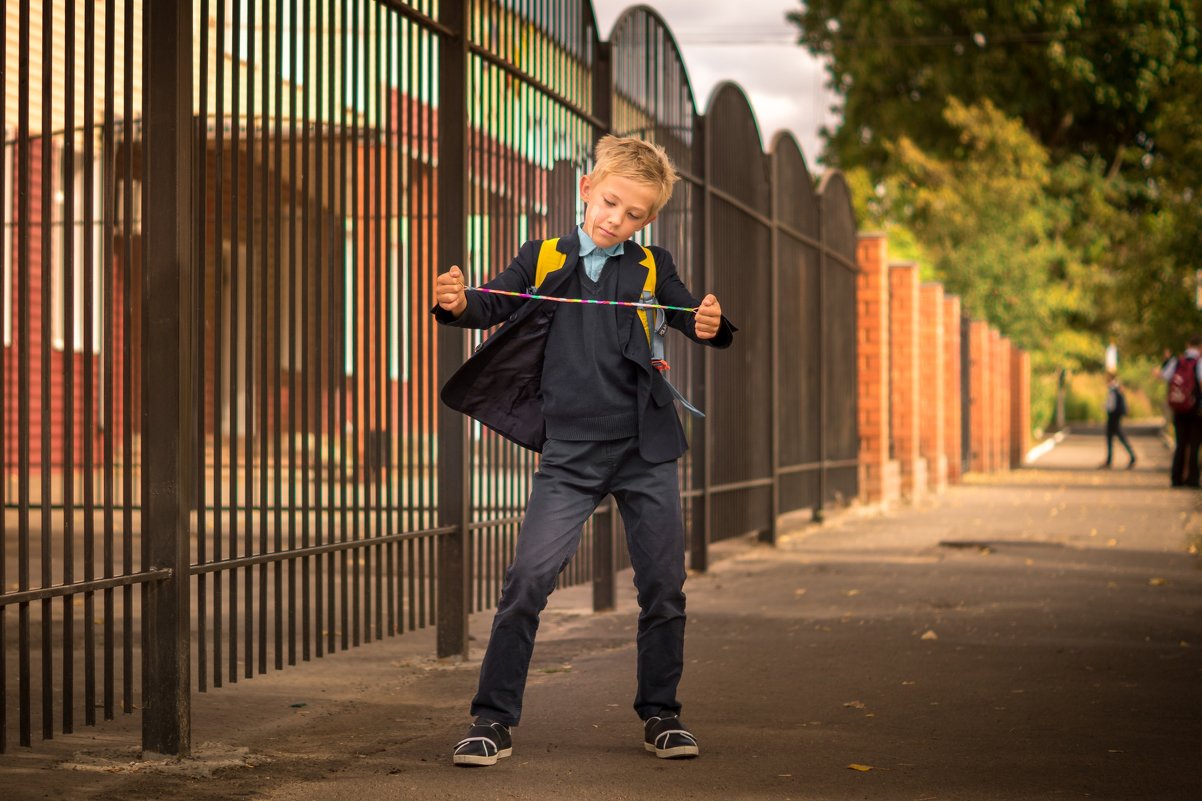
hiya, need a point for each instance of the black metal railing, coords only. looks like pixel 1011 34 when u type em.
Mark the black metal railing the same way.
pixel 220 371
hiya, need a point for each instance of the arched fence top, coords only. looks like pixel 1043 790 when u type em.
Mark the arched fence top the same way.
pixel 737 166
pixel 797 201
pixel 652 94
pixel 838 218
pixel 550 46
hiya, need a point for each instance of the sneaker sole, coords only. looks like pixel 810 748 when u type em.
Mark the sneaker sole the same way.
pixel 679 752
pixel 472 760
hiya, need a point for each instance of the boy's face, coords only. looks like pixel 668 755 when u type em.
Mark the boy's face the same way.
pixel 617 208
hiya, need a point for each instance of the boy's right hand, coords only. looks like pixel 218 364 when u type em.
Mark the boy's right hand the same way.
pixel 449 293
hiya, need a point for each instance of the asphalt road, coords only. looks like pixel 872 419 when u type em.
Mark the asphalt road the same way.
pixel 1030 635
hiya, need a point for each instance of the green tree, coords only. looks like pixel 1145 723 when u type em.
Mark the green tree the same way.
pixel 1083 76
pixel 991 229
pixel 1110 90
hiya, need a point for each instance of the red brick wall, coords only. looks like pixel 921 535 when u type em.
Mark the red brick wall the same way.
pixel 904 375
pixel 50 412
pixel 952 394
pixel 932 385
pixel 1003 403
pixel 978 401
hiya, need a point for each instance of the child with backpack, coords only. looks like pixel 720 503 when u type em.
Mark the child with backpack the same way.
pixel 582 383
pixel 1184 376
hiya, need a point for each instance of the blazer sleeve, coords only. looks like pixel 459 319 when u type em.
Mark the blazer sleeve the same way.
pixel 484 310
pixel 671 291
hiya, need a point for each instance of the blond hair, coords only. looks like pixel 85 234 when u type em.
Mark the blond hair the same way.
pixel 637 160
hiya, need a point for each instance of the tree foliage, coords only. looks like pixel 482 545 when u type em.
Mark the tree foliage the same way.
pixel 1044 156
pixel 1083 76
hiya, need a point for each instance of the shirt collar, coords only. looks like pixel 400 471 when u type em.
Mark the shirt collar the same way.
pixel 587 245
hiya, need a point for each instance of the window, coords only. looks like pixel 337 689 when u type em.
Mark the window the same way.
pixel 398 318
pixel 349 319
pixel 75 272
pixel 9 178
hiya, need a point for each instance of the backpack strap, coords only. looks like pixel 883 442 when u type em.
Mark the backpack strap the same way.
pixel 655 334
pixel 549 260
pixel 655 321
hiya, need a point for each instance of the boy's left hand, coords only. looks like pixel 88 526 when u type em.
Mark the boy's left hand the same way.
pixel 708 319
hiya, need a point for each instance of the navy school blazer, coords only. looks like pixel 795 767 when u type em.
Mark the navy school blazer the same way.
pixel 500 385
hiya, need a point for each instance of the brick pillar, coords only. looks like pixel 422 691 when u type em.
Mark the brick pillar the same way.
pixel 1003 398
pixel 978 401
pixel 952 399
pixel 932 385
pixel 1020 406
pixel 872 358
pixel 996 387
pixel 903 329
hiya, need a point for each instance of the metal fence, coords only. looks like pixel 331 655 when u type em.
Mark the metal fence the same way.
pixel 222 223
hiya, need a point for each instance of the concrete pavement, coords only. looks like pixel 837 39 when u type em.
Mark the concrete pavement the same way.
pixel 1029 635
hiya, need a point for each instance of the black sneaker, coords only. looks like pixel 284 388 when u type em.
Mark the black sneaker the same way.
pixel 485 743
pixel 669 738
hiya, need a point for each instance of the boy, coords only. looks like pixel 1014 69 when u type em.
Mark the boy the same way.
pixel 576 382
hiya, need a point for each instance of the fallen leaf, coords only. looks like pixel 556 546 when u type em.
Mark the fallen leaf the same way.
pixel 854 704
pixel 859 767
pixel 800 591
pixel 930 635
pixel 1110 543
pixel 1157 582
pixel 852 593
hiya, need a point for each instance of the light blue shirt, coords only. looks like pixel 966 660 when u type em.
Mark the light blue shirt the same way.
pixel 594 257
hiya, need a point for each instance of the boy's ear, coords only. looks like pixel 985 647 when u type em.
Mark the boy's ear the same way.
pixel 586 188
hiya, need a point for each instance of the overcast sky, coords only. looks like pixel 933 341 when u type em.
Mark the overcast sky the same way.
pixel 748 42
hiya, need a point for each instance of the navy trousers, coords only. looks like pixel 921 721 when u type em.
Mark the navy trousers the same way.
pixel 1187 427
pixel 572 479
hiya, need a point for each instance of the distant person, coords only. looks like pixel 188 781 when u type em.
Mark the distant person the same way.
pixel 1184 376
pixel 1116 409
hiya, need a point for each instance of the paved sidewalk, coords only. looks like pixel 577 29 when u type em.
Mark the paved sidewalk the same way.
pixel 1031 635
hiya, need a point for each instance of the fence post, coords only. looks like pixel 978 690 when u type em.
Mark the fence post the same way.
pixel 454 553
pixel 167 287
pixel 772 534
pixel 702 466
pixel 605 593
pixel 818 514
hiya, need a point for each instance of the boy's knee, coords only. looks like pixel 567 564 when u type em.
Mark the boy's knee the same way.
pixel 529 584
pixel 663 594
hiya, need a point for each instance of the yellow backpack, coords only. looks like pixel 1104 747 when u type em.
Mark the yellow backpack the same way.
pixel 655 325
pixel 550 260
